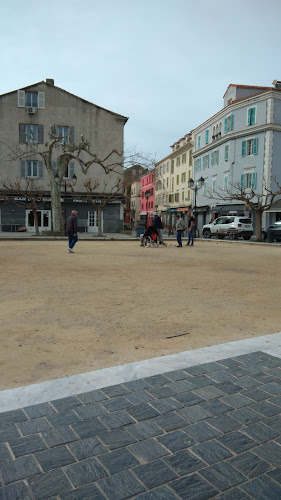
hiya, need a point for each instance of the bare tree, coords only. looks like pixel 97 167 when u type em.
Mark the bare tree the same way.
pixel 256 201
pixel 30 193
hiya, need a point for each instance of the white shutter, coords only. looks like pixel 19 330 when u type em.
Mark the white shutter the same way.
pixel 41 100
pixel 21 98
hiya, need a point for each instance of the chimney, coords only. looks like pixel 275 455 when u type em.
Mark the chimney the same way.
pixel 277 84
pixel 50 81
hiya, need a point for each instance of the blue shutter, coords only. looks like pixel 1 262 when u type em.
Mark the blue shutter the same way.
pixel 212 158
pixel 249 116
pixel 243 149
pixel 208 159
pixel 254 180
pixel 253 116
pixel 217 157
pixel 199 164
pixel 231 123
pixel 207 136
pixel 242 181
pixel 40 170
pixel 204 161
pixel 195 165
pixel 225 125
pixel 22 169
pixel 255 146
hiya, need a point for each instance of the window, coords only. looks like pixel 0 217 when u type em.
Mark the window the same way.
pixel 215 157
pixel 167 182
pixel 225 183
pixel 205 162
pixel 172 167
pixel 177 197
pixel 249 180
pixel 198 141
pixel 182 196
pixel 172 183
pixel 178 179
pixel 226 152
pixel 214 184
pixel 205 188
pixel 251 116
pixel 228 123
pixel 30 133
pixel 250 147
pixel 30 168
pixel 190 157
pixel 178 161
pixel 183 177
pixel 207 136
pixel 183 158
pixel 31 99
pixel 69 173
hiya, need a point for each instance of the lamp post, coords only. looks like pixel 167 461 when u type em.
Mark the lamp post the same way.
pixel 195 186
pixel 147 195
pixel 70 182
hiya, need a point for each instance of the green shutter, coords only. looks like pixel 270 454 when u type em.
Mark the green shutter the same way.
pixel 255 146
pixel 217 157
pixel 253 116
pixel 199 164
pixel 225 125
pixel 231 123
pixel 254 180
pixel 242 181
pixel 207 136
pixel 212 158
pixel 226 153
pixel 208 159
pixel 195 165
pixel 243 149
pixel 249 116
pixel 204 163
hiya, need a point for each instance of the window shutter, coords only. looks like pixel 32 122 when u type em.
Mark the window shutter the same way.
pixel 195 165
pixel 71 169
pixel 40 169
pixel 199 164
pixel 207 161
pixel 231 122
pixel 254 180
pixel 253 116
pixel 204 162
pixel 41 100
pixel 22 138
pixel 21 98
pixel 242 181
pixel 72 134
pixel 40 134
pixel 243 149
pixel 212 158
pixel 225 125
pixel 249 116
pixel 207 136
pixel 22 169
pixel 217 157
pixel 255 146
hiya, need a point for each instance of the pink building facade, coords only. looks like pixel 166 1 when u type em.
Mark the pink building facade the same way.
pixel 148 196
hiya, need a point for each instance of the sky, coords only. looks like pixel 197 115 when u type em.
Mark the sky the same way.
pixel 165 64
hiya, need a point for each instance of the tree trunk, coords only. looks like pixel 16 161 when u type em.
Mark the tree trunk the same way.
pixel 99 220
pixel 259 225
pixel 35 216
pixel 57 219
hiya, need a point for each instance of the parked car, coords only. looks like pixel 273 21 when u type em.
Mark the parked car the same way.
pixel 275 230
pixel 230 226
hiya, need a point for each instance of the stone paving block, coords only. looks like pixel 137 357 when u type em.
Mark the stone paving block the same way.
pixel 263 378
pixel 233 494
pixel 265 408
pixel 271 452
pixel 11 417
pixel 237 400
pixel 194 414
pixel 27 445
pixel 148 450
pixel 88 492
pixel 54 458
pixel 13 470
pixel 261 432
pixel 193 487
pixel 144 430
pixel 86 448
pixel 157 380
pixel 276 400
pixel 15 491
pixel 48 484
pixel 211 452
pixel 116 461
pixel 262 488
pixel 169 421
pixel 176 440
pixel 63 418
pixel 213 366
pixel 137 385
pixel 228 387
pixel 178 375
pixel 274 422
pixel 115 390
pixel 229 363
pixel 92 397
pixel 120 486
pixel 202 380
pixel 215 406
pixel 196 370
pixel 142 412
pixel 272 388
pixel 9 433
pixel 163 391
pixel 245 415
pixel 160 493
pixel 238 372
pixel 85 472
pixel 39 410
pixel 237 442
pixel 117 439
pixel 183 462
pixel 91 410
pixel 118 403
pixel 256 394
pixel 222 476
pixel 221 377
pixel 4 453
pixel 209 392
pixel 249 464
pixel 116 419
pixel 165 405
pixel 154 474
pixel 34 426
pixel 66 403
pixel 201 431
pixel 224 423
pixel 275 474
pixel 188 398
pixel 248 382
pixel 138 398
pixel 89 428
pixel 180 386
pixel 60 435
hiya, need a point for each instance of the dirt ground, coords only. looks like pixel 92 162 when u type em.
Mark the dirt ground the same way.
pixel 114 302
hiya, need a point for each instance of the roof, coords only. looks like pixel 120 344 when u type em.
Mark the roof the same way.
pixel 125 118
pixel 238 86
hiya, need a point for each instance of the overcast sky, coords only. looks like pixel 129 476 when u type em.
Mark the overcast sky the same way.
pixel 163 63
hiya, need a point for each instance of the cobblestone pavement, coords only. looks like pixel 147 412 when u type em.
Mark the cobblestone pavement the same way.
pixel 208 431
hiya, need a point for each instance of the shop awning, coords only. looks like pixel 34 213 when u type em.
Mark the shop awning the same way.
pixel 172 209
pixel 225 209
pixel 276 207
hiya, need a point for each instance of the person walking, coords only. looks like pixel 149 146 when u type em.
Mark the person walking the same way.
pixel 71 229
pixel 191 222
pixel 180 227
pixel 157 223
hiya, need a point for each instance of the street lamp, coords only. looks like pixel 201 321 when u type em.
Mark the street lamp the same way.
pixel 195 186
pixel 70 182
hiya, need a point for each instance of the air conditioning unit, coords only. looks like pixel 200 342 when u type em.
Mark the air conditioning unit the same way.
pixel 31 111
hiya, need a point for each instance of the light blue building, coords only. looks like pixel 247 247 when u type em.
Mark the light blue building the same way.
pixel 239 145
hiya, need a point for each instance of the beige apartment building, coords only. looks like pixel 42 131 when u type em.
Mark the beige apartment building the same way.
pixel 26 118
